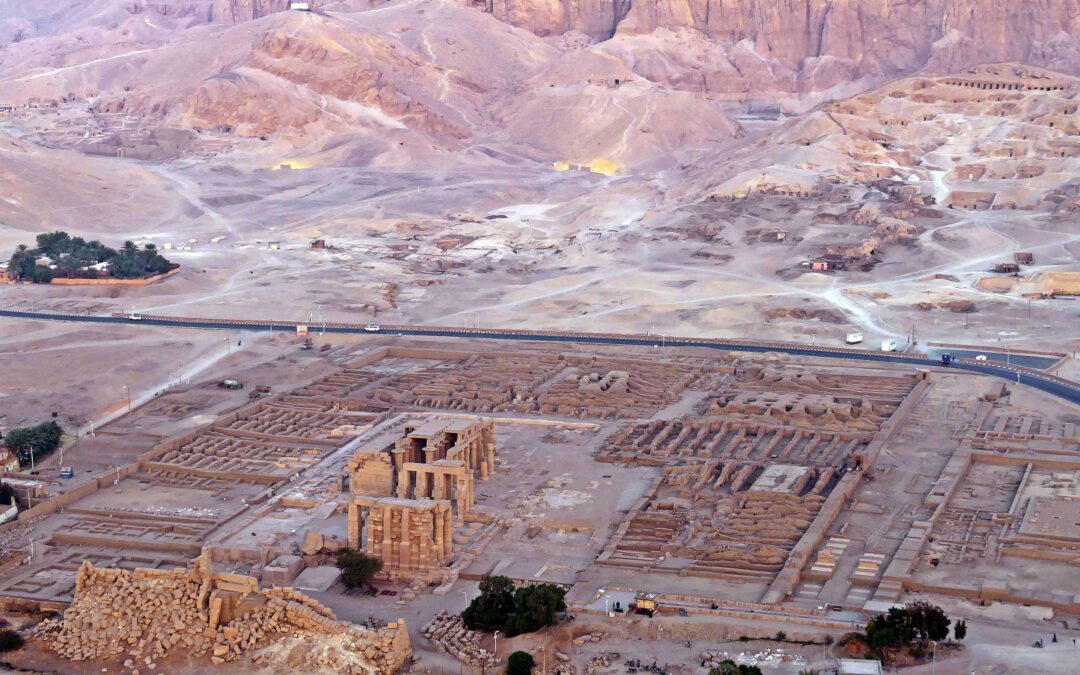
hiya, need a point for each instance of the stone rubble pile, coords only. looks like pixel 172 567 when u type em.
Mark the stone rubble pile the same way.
pixel 589 637
pixel 448 633
pixel 770 658
pixel 144 614
pixel 604 660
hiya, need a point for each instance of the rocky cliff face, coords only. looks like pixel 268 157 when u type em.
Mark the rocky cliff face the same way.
pixel 217 11
pixel 824 41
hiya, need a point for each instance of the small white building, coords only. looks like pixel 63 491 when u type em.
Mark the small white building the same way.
pixel 300 6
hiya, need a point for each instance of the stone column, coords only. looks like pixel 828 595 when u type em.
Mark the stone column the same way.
pixel 441 489
pixel 356 526
pixel 387 535
pixel 405 552
pixel 440 531
pixel 448 534
pixel 461 496
pixel 405 479
pixel 397 455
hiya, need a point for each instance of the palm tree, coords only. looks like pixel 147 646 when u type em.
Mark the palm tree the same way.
pixel 130 248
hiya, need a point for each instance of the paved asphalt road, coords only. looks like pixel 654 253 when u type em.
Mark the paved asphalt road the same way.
pixel 1065 389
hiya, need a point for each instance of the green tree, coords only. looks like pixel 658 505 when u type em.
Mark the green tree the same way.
pixel 535 607
pixel 929 620
pixel 520 663
pixel 357 568
pixel 492 608
pixel 41 274
pixel 960 630
pixel 36 441
pixel 7 493
pixel 10 640
pixel 53 244
pixel 881 638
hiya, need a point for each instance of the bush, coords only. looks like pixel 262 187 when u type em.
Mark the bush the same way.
pixel 7 493
pixel 520 663
pixel 10 641
pixel 357 568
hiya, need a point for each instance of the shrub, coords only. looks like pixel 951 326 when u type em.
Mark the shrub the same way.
pixel 357 568
pixel 10 641
pixel 520 663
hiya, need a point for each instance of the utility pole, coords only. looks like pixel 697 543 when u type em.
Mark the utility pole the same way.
pixel 128 390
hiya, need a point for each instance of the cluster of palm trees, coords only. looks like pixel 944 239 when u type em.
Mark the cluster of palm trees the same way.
pixel 74 257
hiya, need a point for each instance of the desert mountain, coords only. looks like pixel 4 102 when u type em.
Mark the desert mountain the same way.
pixel 434 74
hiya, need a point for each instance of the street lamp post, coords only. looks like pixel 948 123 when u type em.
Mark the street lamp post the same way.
pixel 495 650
